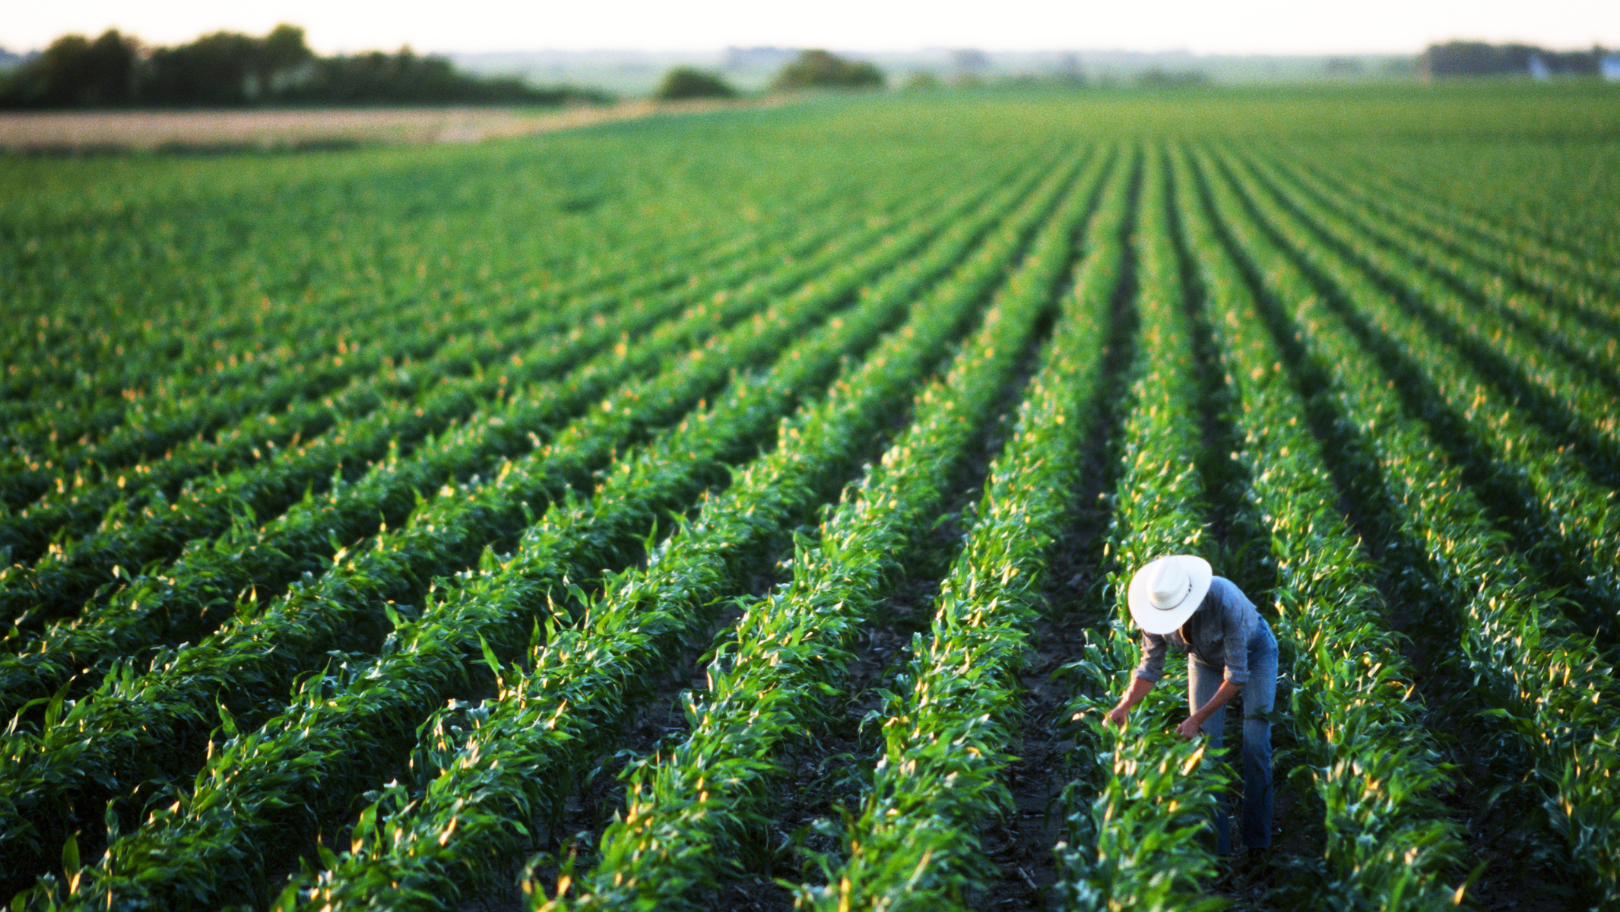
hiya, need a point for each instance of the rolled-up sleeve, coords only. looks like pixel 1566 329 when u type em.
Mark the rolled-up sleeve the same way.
pixel 1151 668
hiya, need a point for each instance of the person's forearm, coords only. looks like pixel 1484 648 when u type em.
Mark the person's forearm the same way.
pixel 1135 692
pixel 1133 695
pixel 1223 695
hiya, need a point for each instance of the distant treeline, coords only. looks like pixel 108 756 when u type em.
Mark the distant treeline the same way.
pixel 819 69
pixel 226 69
pixel 811 69
pixel 1476 58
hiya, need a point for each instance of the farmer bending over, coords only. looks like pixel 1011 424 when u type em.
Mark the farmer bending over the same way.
pixel 1178 602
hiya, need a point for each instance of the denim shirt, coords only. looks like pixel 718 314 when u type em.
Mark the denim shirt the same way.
pixel 1216 635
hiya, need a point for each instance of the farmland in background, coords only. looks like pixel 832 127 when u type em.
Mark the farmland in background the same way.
pixel 215 131
pixel 733 510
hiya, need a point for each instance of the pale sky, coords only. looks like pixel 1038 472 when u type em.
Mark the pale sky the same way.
pixel 1201 26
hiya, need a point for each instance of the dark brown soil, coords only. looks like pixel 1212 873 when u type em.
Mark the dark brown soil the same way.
pixel 1021 844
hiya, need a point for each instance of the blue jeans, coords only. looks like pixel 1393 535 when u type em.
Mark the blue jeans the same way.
pixel 1258 696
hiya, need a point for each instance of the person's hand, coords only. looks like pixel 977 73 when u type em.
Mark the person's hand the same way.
pixel 1189 729
pixel 1116 717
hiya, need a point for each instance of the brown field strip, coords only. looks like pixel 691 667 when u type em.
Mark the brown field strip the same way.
pixel 67 131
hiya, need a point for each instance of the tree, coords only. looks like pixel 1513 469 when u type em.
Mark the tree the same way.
pixel 690 82
pixel 282 56
pixel 1069 71
pixel 218 69
pixel 1476 58
pixel 109 70
pixel 1158 78
pixel 815 69
pixel 226 69
pixel 76 72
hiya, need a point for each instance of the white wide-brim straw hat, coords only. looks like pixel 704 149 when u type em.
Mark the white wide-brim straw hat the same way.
pixel 1167 590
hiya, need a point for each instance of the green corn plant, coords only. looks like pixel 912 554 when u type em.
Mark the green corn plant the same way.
pixel 686 463
pixel 1580 401
pixel 1538 685
pixel 149 411
pixel 153 611
pixel 1539 477
pixel 83 505
pixel 533 257
pixel 685 807
pixel 912 843
pixel 1364 753
pixel 1569 276
pixel 1137 815
pixel 1547 314
pixel 586 677
pixel 60 583
pixel 180 689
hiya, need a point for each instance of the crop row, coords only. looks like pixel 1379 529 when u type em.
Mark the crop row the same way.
pixel 150 422
pixel 913 841
pixel 586 679
pixel 1536 250
pixel 1542 488
pixel 545 346
pixel 1575 403
pixel 338 606
pixel 651 262
pixel 326 345
pixel 509 273
pixel 502 598
pixel 1550 490
pixel 1539 687
pixel 208 507
pixel 1557 315
pixel 369 535
pixel 309 256
pixel 1136 812
pixel 689 807
pixel 658 272
pixel 201 435
pixel 164 608
pixel 1362 749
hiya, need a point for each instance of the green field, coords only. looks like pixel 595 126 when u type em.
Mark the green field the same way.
pixel 733 510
